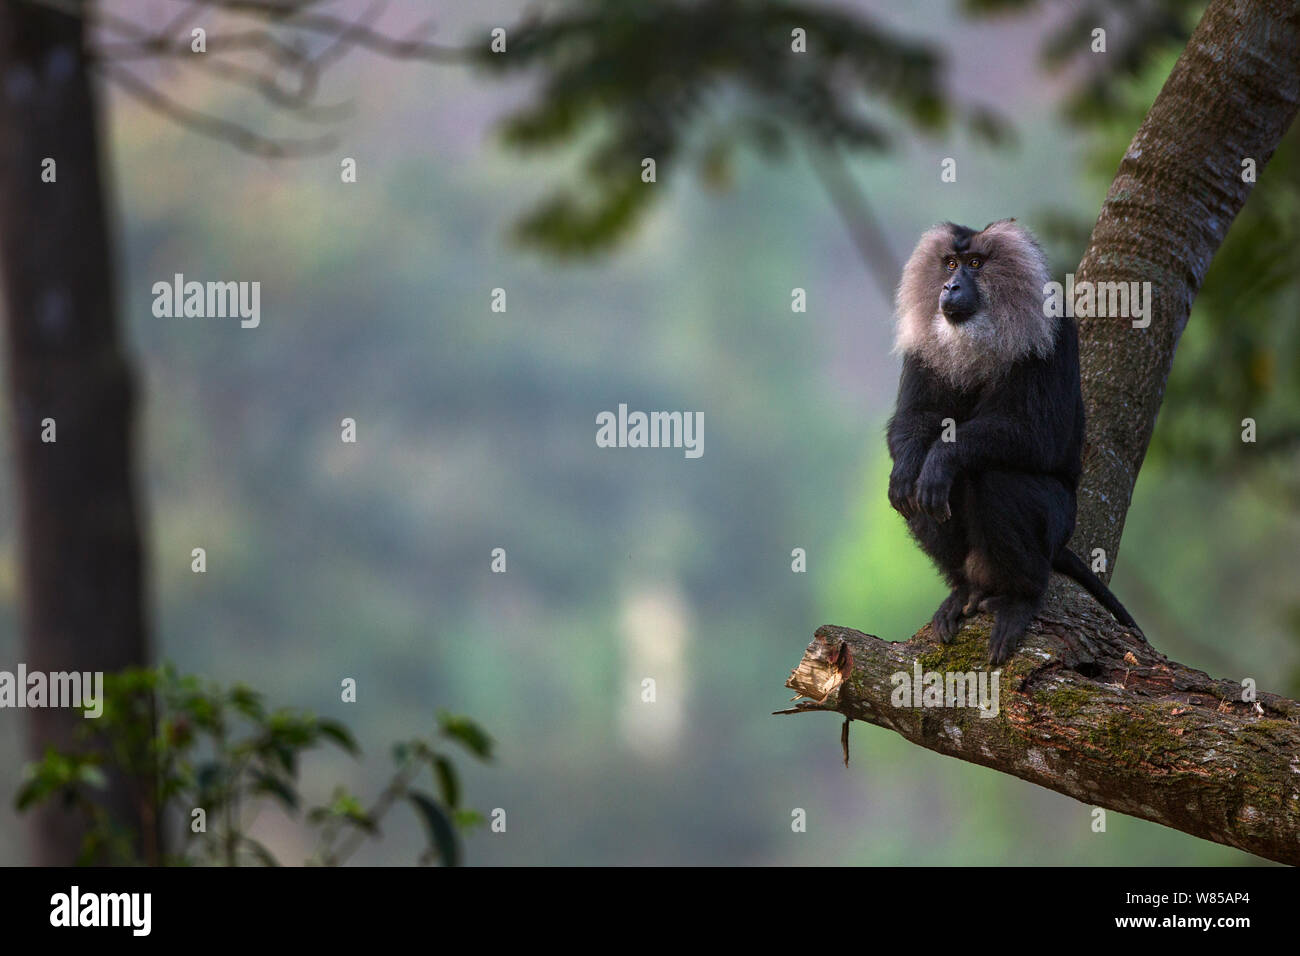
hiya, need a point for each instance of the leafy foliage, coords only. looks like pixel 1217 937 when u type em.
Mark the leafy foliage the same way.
pixel 188 745
pixel 687 83
pixel 1138 32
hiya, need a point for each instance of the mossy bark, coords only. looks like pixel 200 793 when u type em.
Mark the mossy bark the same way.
pixel 1145 735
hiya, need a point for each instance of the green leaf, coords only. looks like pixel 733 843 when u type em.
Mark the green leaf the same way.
pixel 32 792
pixel 442 836
pixel 340 734
pixel 344 806
pixel 467 733
pixel 264 782
pixel 448 785
pixel 469 819
pixel 247 701
pixel 283 753
pixel 92 775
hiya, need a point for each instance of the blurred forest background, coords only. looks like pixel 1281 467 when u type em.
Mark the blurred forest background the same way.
pixel 476 431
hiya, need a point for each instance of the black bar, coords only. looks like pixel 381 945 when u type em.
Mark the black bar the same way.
pixel 219 906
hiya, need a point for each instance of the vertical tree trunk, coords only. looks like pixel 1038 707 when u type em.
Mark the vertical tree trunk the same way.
pixel 1231 97
pixel 80 545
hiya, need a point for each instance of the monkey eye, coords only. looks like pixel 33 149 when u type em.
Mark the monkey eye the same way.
pixel 951 264
pixel 975 262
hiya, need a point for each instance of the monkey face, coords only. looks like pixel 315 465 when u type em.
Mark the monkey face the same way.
pixel 959 297
pixel 971 303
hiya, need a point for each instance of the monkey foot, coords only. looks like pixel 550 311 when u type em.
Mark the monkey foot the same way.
pixel 947 620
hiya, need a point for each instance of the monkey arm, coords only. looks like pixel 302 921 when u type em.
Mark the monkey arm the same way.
pixel 998 442
pixel 987 442
pixel 915 427
pixel 1029 428
pixel 910 438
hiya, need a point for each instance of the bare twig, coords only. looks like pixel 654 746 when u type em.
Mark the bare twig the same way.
pixel 410 47
pixel 213 126
pixel 865 230
pixel 288 77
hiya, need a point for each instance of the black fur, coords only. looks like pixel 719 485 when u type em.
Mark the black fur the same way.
pixel 995 508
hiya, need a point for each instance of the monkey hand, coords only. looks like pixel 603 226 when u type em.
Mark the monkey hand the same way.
pixel 901 485
pixel 933 488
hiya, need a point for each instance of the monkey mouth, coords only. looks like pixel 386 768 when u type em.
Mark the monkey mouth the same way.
pixel 957 314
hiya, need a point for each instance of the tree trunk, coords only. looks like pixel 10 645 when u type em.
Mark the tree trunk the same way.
pixel 1231 96
pixel 1087 709
pixel 80 550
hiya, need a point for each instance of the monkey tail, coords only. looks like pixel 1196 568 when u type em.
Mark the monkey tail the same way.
pixel 1072 566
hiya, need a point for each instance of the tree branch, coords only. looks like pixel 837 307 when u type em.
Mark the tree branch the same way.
pixel 1144 736
pixel 300 17
pixel 863 226
pixel 213 126
pixel 283 71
